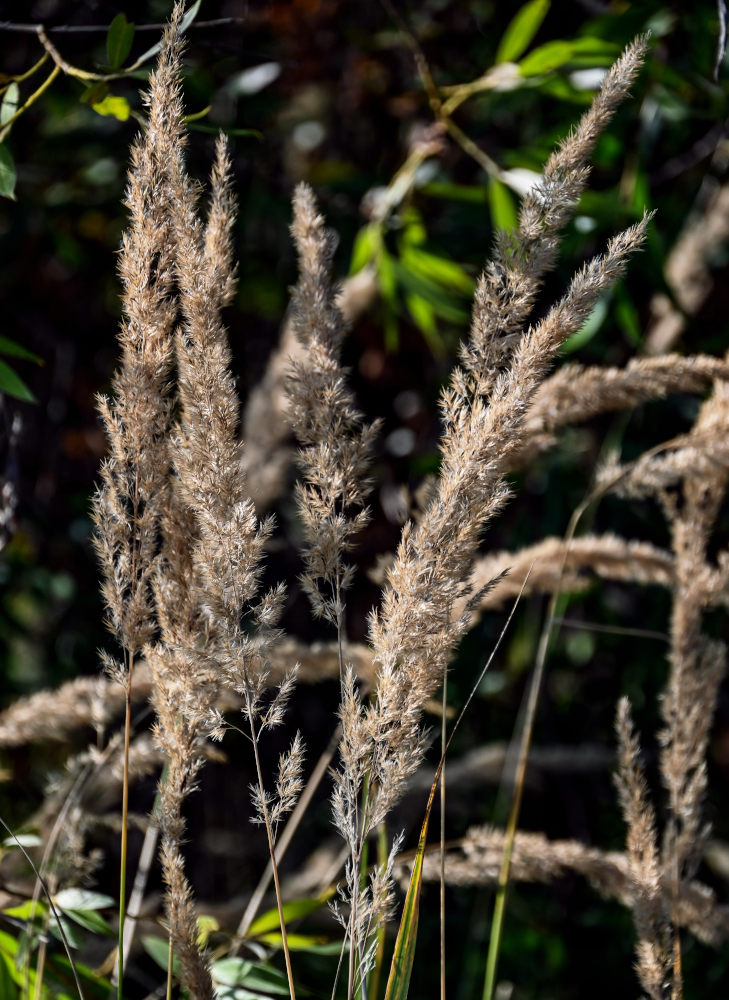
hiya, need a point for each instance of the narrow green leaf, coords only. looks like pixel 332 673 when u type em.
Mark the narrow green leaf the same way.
pixel 113 107
pixel 231 971
pixel 521 30
pixel 455 192
pixel 92 921
pixel 589 328
pixel 9 347
pixel 8 989
pixel 364 248
pixel 9 106
pixel 309 943
pixel 96 93
pixel 119 41
pixel 628 318
pixel 8 175
pixel 423 316
pixel 63 930
pixel 444 305
pixel 13 385
pixel 403 956
pixel 552 55
pixel 158 950
pixel 184 25
pixel 414 233
pixel 502 205
pixel 446 272
pixel 386 274
pixel 28 910
pixel 251 975
pixel 297 908
pixel 23 840
pixel 82 899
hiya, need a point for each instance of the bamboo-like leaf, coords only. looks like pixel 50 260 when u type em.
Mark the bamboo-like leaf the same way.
pixel 521 30
pixel 578 51
pixel 501 203
pixel 8 176
pixel 10 348
pixel 401 968
pixel 10 103
pixel 297 908
pixel 119 41
pixel 13 385
pixel 113 107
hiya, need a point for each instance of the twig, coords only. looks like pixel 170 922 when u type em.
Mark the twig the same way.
pixel 73 29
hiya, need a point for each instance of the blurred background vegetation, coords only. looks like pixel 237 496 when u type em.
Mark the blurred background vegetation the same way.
pixel 336 93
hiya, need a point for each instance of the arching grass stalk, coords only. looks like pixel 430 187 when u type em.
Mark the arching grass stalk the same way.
pixel 551 622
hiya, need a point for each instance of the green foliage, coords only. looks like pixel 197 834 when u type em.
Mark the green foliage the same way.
pixel 521 30
pixel 119 41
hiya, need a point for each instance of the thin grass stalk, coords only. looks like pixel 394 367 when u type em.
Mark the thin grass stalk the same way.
pixel 443 741
pixel 283 841
pixel 404 951
pixel 272 856
pixel 382 857
pixel 124 830
pixel 535 686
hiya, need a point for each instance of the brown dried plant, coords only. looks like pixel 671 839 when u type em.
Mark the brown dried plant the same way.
pixel 182 548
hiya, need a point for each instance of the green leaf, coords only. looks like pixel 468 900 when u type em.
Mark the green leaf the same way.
pixel 9 106
pixel 8 989
pixel 8 176
pixel 9 347
pixel 386 274
pixel 71 934
pixel 231 971
pixel 251 975
pixel 552 55
pixel 119 41
pixel 13 385
pixel 158 950
pixel 440 269
pixel 433 293
pixel 414 233
pixel 297 908
pixel 23 840
pixel 82 899
pixel 401 966
pixel 502 205
pixel 365 247
pixel 589 328
pixel 96 93
pixel 27 910
pixel 92 921
pixel 184 25
pixel 113 107
pixel 628 318
pixel 521 30
pixel 423 316
pixel 310 943
pixel 475 194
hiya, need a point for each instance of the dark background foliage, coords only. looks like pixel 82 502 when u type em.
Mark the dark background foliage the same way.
pixel 341 109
